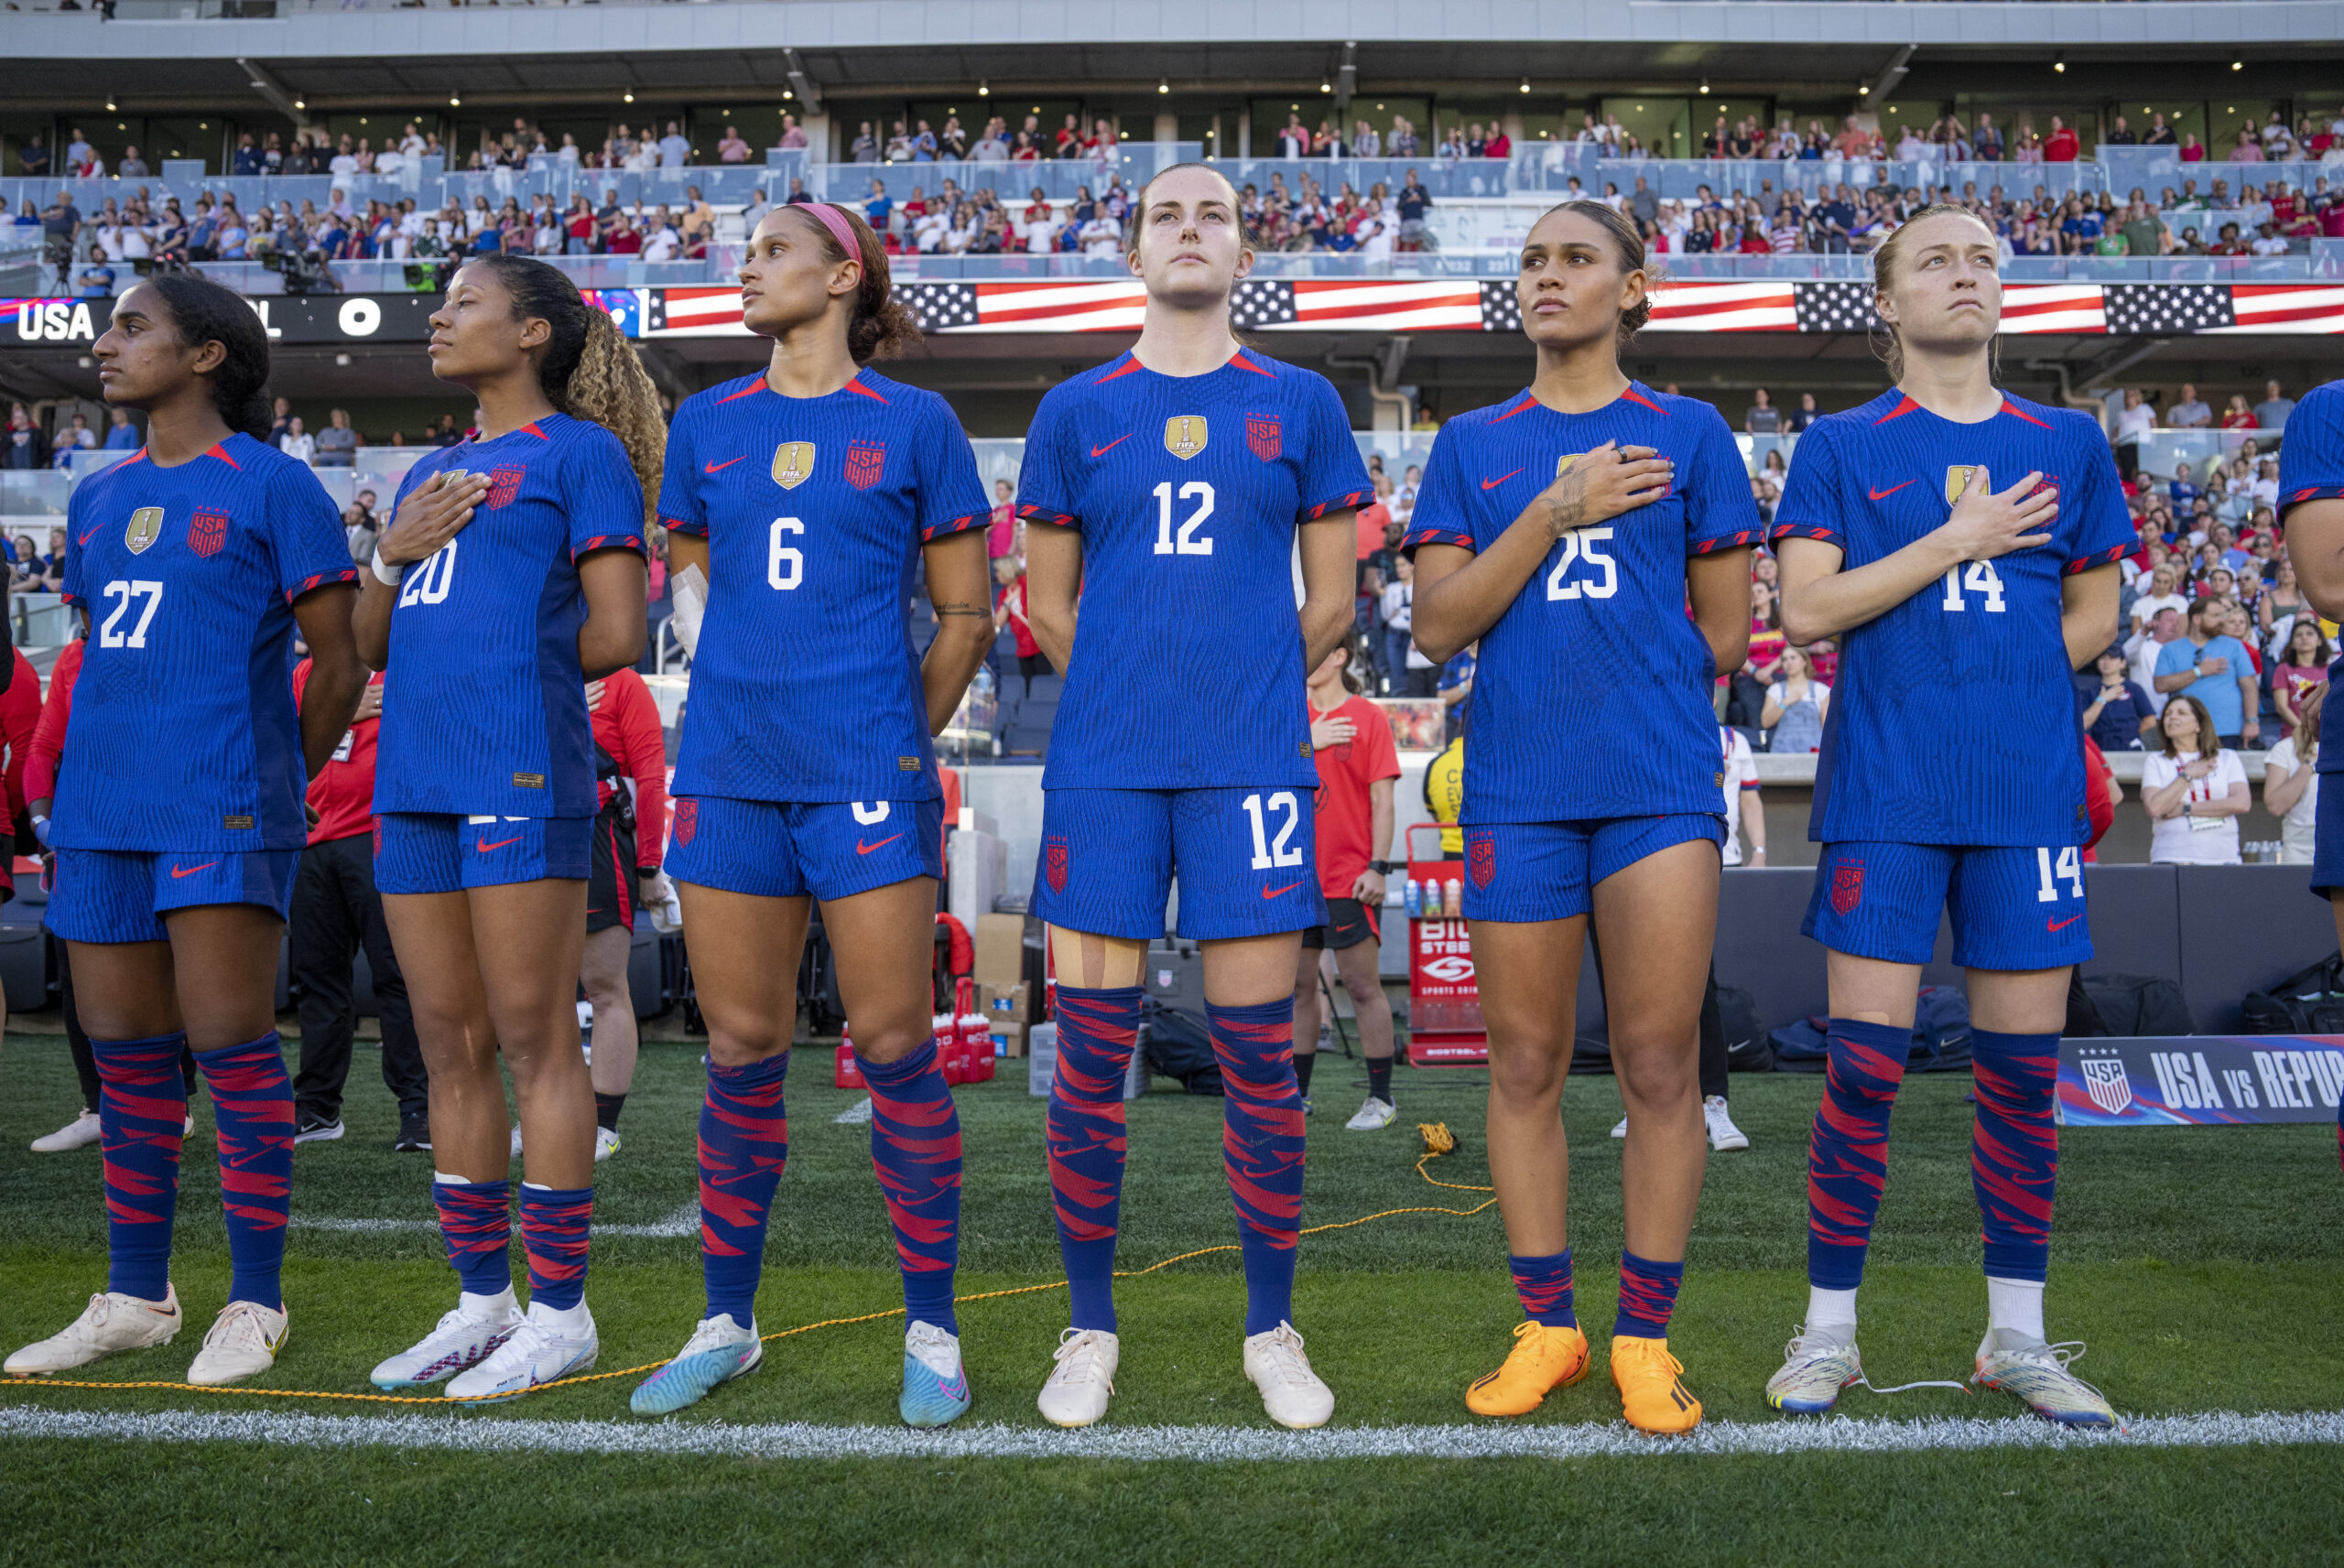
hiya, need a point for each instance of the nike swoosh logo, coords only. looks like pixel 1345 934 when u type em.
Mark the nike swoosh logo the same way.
pixel 1493 483
pixel 87 538
pixel 2061 924
pixel 1102 451
pixel 178 872
pixel 1274 892
pixel 719 468
pixel 483 846
pixel 862 848
pixel 1884 494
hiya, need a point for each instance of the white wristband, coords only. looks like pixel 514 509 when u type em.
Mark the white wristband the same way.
pixel 388 578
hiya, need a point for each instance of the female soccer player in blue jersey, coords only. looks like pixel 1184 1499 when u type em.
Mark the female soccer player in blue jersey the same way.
pixel 1168 486
pixel 181 823
pixel 2311 505
pixel 806 497
pixel 1568 528
pixel 1953 538
pixel 511 573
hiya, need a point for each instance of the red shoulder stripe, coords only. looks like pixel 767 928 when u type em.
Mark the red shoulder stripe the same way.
pixel 855 384
pixel 1904 405
pixel 222 453
pixel 2013 408
pixel 1633 396
pixel 751 389
pixel 1528 401
pixel 1130 363
pixel 1244 361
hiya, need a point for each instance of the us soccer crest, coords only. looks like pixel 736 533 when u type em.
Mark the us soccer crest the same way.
pixel 207 531
pixel 793 463
pixel 1054 858
pixel 1482 861
pixel 686 820
pixel 2107 1082
pixel 1563 463
pixel 1847 886
pixel 1957 479
pixel 145 527
pixel 1184 435
pixel 866 461
pixel 1263 435
pixel 504 483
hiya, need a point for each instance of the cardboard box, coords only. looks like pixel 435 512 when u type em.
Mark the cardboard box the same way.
pixel 1009 1004
pixel 1001 950
pixel 1008 1039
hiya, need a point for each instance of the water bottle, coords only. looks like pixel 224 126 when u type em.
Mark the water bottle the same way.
pixel 1452 898
pixel 1416 897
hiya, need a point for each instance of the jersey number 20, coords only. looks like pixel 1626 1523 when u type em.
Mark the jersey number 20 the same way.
pixel 433 576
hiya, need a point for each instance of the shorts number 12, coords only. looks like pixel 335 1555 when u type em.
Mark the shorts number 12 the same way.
pixel 1269 852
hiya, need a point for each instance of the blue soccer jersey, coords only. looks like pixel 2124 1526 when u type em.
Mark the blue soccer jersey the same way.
pixel 1591 698
pixel 485 705
pixel 1187 656
pixel 1954 717
pixel 815 510
pixel 2311 468
pixel 184 732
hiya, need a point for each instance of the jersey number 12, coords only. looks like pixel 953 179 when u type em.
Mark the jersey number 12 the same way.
pixel 1269 852
pixel 1186 543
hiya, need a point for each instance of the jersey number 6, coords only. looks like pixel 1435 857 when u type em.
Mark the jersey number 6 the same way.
pixel 784 566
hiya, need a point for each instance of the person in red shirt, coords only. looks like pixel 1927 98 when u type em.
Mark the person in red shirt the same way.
pixel 37 782
pixel 1009 610
pixel 630 837
pixel 2061 146
pixel 336 912
pixel 1351 742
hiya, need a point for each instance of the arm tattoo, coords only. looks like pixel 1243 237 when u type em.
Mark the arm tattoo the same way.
pixel 1566 509
pixel 959 607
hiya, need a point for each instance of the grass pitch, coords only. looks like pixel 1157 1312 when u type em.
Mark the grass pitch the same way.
pixel 2203 1267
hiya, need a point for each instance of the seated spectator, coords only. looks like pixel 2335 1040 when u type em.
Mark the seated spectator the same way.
pixel 2291 789
pixel 2117 714
pixel 1796 706
pixel 337 444
pixel 2194 790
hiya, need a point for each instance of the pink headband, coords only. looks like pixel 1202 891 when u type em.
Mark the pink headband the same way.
pixel 830 218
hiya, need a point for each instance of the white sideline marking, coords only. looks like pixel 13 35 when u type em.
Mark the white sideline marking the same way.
pixel 684 1221
pixel 804 1440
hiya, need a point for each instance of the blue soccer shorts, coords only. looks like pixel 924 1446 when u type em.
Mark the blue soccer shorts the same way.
pixel 420 851
pixel 2327 839
pixel 1246 860
pixel 2012 907
pixel 121 895
pixel 1547 871
pixel 787 850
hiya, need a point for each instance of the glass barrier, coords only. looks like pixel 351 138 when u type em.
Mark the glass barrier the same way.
pixel 40 621
pixel 34 492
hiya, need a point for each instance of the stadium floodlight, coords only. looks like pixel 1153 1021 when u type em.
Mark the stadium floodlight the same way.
pixel 1163 84
pixel 110 108
pixel 804 84
pixel 985 88
pixel 2060 66
pixel 1525 85
pixel 2238 65
pixel 626 97
pixel 1705 87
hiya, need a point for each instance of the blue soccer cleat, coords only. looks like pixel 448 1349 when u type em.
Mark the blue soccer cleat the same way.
pixel 718 1351
pixel 936 1387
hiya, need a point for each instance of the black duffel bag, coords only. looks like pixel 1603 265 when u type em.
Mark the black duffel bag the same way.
pixel 2126 1006
pixel 2310 1001
pixel 1179 1045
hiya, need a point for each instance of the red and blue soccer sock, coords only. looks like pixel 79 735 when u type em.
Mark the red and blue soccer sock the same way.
pixel 1543 1283
pixel 1847 1154
pixel 2015 1150
pixel 556 1224
pixel 476 1222
pixel 142 1117
pixel 1647 1296
pixel 916 1152
pixel 743 1144
pixel 1098 1030
pixel 252 1107
pixel 1261 1149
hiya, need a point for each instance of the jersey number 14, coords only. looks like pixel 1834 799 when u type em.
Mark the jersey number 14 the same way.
pixel 1977 577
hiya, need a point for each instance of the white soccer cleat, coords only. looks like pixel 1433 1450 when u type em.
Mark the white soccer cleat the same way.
pixel 1723 1133
pixel 936 1385
pixel 1373 1114
pixel 78 1133
pixel 1816 1364
pixel 110 1322
pixel 1292 1393
pixel 544 1348
pixel 2037 1373
pixel 606 1144
pixel 244 1341
pixel 1080 1385
pixel 460 1341
pixel 720 1349
pixel 1621 1131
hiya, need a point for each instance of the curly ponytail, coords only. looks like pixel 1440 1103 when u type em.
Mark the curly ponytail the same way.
pixel 588 369
pixel 883 326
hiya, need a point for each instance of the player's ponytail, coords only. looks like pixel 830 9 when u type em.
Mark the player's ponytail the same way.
pixel 883 326
pixel 588 369
pixel 202 312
